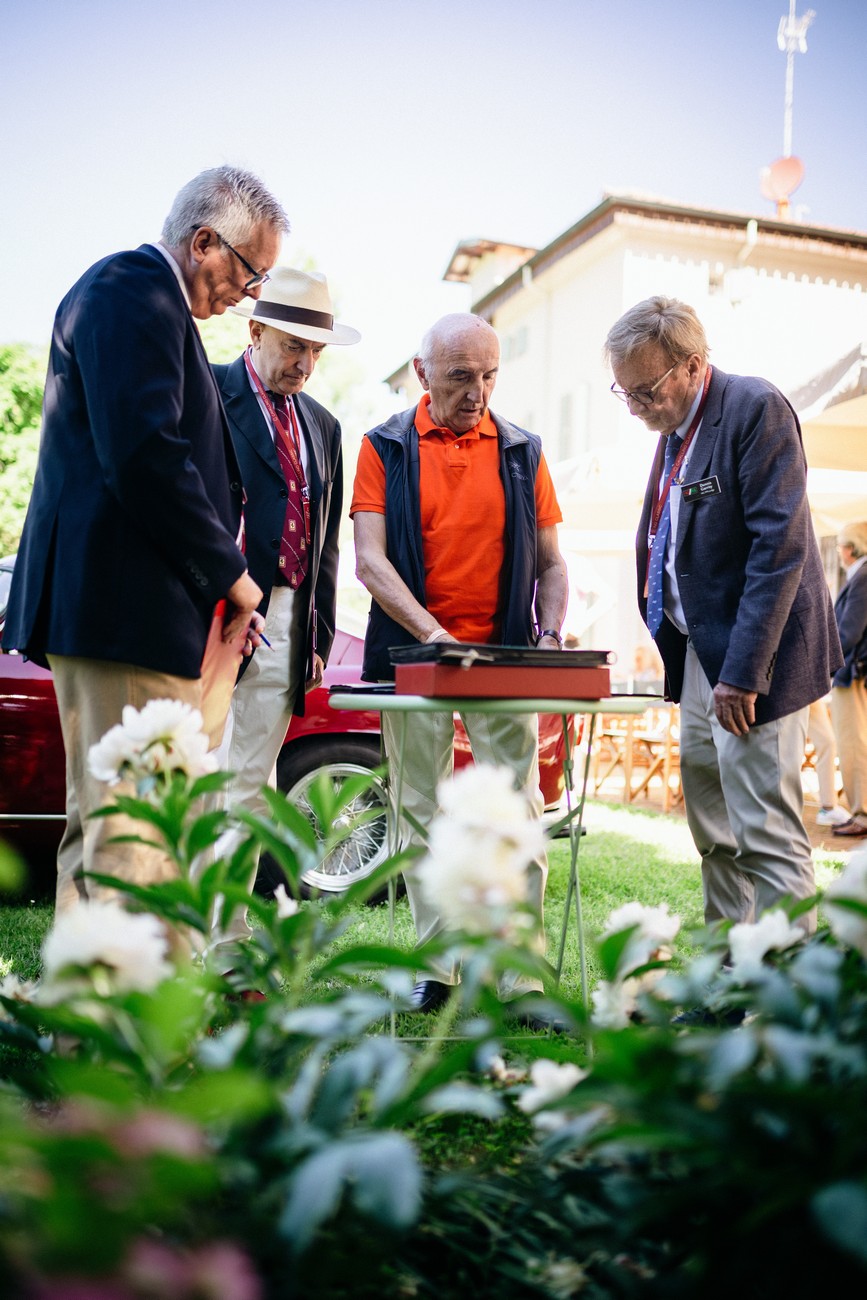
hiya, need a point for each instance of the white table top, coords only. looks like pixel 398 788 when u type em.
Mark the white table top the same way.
pixel 387 703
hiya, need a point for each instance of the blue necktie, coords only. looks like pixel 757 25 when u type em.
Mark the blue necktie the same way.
pixel 656 572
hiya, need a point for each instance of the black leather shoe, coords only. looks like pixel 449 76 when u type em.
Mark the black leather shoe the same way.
pixel 853 829
pixel 430 995
pixel 541 1020
pixel 701 1018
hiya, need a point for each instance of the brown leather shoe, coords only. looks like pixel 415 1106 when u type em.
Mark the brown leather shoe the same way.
pixel 852 829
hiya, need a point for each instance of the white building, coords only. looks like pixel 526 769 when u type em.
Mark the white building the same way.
pixel 777 298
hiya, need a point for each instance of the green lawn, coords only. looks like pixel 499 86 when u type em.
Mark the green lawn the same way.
pixel 627 854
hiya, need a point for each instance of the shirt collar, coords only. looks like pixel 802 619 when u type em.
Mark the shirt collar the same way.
pixel 688 418
pixel 425 425
pixel 177 270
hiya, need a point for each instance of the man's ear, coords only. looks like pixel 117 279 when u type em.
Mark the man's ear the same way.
pixel 204 239
pixel 418 366
pixel 255 330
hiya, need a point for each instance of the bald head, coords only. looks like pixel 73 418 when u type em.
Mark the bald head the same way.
pixel 457 364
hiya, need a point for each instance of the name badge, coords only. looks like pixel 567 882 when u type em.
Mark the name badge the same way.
pixel 705 487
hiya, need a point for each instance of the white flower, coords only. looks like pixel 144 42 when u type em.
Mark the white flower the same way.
pixel 109 756
pixel 750 943
pixel 549 1081
pixel 847 926
pixel 613 1004
pixel 16 990
pixel 479 847
pixel 503 1073
pixel 130 949
pixel 286 906
pixel 165 736
pixel 655 928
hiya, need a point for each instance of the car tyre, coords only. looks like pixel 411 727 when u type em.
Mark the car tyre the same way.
pixel 366 847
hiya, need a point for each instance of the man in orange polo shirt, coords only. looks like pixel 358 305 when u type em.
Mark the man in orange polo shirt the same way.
pixel 456 540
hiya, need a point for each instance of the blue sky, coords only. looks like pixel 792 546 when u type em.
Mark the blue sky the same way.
pixel 392 130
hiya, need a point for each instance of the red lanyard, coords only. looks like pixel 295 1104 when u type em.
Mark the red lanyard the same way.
pixel 291 443
pixel 662 496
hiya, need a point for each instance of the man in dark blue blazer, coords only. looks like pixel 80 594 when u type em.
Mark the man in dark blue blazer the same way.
pixel 131 533
pixel 849 691
pixel 736 600
pixel 285 443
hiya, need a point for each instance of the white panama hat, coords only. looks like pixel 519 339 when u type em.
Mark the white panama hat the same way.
pixel 298 303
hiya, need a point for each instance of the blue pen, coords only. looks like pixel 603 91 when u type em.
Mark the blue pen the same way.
pixel 262 637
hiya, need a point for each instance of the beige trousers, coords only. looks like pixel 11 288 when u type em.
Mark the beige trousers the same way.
pixel 744 804
pixel 428 759
pixel 91 695
pixel 849 715
pixel 820 734
pixel 259 717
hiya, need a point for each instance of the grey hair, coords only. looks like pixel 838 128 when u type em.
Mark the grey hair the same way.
pixel 854 535
pixel 447 327
pixel 673 325
pixel 230 200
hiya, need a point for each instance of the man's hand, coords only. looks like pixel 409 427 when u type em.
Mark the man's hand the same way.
pixel 315 678
pixel 254 635
pixel 735 708
pixel 243 598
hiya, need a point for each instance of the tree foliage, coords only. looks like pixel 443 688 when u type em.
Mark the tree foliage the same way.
pixel 22 377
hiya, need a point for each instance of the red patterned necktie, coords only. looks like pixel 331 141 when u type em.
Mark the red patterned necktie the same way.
pixel 293 559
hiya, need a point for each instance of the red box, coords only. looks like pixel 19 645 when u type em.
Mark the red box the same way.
pixel 502 681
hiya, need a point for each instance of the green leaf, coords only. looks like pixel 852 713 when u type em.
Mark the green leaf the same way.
pixel 11 869
pixel 841 1212
pixel 381 1171
pixel 364 955
pixel 232 1096
pixel 463 1098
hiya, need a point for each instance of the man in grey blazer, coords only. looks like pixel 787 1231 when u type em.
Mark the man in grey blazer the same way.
pixel 731 586
pixel 289 451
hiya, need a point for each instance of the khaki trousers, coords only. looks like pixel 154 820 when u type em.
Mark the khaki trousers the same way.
pixel 428 759
pixel 256 727
pixel 91 694
pixel 849 715
pixel 744 804
pixel 820 734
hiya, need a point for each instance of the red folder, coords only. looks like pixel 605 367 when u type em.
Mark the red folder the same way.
pixel 503 681
pixel 220 665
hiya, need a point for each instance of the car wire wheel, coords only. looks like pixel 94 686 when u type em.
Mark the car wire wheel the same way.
pixel 364 846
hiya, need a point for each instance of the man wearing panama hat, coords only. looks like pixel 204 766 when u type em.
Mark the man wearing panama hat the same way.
pixel 289 451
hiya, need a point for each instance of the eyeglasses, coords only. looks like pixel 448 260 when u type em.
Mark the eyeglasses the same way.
pixel 643 396
pixel 256 277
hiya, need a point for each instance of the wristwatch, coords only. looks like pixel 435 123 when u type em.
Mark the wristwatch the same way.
pixel 549 631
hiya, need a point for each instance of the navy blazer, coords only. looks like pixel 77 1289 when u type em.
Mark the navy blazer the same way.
pixel 129 539
pixel 265 509
pixel 749 572
pixel 850 611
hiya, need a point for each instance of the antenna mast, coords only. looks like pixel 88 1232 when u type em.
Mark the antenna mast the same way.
pixel 792 39
pixel 785 175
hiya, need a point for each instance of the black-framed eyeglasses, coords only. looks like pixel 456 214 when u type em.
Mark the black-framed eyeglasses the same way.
pixel 256 277
pixel 643 396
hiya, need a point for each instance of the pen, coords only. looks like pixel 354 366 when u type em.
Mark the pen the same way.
pixel 262 637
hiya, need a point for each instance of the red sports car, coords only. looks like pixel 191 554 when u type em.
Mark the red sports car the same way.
pixel 32 777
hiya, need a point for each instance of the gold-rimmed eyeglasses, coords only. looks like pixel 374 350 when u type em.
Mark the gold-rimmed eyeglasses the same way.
pixel 643 396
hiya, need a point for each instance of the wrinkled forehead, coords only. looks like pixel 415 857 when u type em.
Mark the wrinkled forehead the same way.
pixel 646 362
pixel 471 350
pixel 282 336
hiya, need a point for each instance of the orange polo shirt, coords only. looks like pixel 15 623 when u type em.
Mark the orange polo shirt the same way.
pixel 463 519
